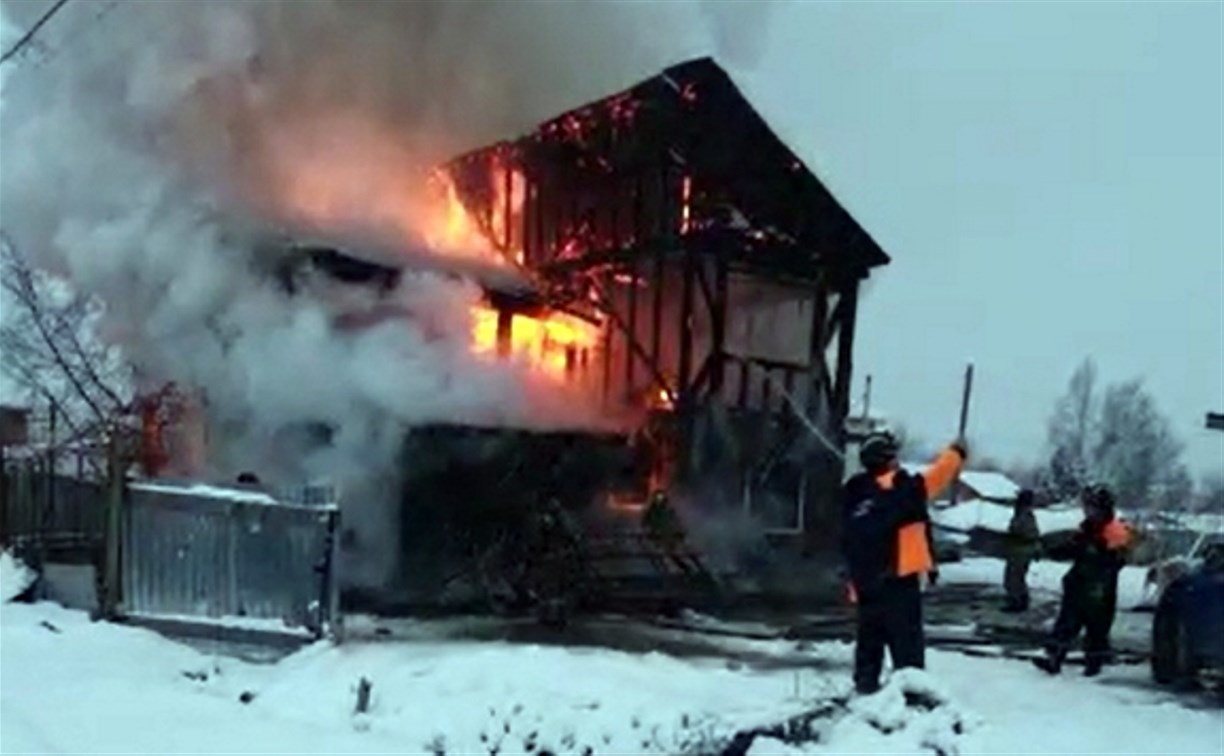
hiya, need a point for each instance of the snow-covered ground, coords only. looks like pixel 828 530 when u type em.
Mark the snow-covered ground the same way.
pixel 1043 576
pixel 15 577
pixel 977 513
pixel 68 685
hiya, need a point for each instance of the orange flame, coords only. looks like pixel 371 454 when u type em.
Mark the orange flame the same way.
pixel 343 173
pixel 686 205
pixel 556 344
pixel 451 227
pixel 662 399
pixel 448 225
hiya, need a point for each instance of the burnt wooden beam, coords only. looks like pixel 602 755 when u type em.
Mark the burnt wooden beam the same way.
pixel 703 375
pixel 767 363
pixel 543 254
pixel 745 377
pixel 656 314
pixel 686 321
pixel 607 348
pixel 718 326
pixel 816 340
pixel 508 204
pixel 845 351
pixel 703 285
pixel 1215 421
pixel 833 324
pixel 780 262
pixel 632 326
pixel 607 307
pixel 505 321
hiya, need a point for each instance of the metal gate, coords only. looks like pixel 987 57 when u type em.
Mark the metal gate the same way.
pixel 237 557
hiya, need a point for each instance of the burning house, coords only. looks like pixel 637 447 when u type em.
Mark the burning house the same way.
pixel 712 281
pixel 663 265
pixel 661 255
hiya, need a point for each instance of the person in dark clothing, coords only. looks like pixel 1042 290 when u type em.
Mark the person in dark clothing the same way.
pixel 1090 587
pixel 885 542
pixel 1023 542
pixel 663 528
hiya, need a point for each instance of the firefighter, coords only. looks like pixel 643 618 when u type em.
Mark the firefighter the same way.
pixel 885 541
pixel 556 569
pixel 663 528
pixel 1090 587
pixel 1023 542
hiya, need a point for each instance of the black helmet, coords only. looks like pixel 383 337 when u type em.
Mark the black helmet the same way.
pixel 878 449
pixel 1099 497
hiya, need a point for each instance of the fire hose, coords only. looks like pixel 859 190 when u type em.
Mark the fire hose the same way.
pixel 807 423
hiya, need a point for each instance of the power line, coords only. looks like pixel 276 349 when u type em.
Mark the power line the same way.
pixel 29 35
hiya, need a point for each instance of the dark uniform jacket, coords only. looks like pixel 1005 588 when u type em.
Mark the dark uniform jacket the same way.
pixel 871 518
pixel 1098 553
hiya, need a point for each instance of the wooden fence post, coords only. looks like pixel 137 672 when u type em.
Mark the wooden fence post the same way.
pixel 112 567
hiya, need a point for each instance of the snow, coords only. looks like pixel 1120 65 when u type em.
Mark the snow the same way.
pixel 1042 576
pixel 207 491
pixel 988 515
pixel 15 577
pixel 257 624
pixel 990 485
pixel 74 686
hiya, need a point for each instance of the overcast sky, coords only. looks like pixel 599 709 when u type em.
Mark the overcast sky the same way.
pixel 1048 180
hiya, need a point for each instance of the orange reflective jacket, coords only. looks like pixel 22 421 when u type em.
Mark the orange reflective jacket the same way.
pixel 1116 534
pixel 914 552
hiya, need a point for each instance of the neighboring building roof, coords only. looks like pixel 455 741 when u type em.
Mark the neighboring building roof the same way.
pixel 995 517
pixel 990 485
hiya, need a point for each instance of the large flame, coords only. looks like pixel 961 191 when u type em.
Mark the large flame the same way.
pixel 344 174
pixel 340 174
pixel 556 344
pixel 448 226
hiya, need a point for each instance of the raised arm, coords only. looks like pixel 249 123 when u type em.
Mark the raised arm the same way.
pixel 943 470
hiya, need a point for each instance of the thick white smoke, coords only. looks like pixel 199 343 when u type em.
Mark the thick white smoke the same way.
pixel 148 147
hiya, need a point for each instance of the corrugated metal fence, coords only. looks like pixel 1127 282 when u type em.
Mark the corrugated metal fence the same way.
pixel 224 555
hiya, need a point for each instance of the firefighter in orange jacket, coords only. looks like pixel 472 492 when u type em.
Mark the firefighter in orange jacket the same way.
pixel 1090 587
pixel 885 544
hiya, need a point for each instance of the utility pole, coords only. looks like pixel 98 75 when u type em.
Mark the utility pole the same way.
pixel 964 425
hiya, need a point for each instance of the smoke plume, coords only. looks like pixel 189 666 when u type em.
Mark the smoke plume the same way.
pixel 149 148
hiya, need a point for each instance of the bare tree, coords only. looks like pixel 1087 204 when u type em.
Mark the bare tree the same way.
pixel 1136 451
pixel 1211 493
pixel 50 350
pixel 1071 432
pixel 1121 439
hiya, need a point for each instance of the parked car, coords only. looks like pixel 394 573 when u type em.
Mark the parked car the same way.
pixel 1188 629
pixel 1161 574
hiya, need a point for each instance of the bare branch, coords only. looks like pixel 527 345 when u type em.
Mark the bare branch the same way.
pixel 19 281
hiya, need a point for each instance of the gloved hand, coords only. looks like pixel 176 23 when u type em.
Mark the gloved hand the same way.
pixel 961 447
pixel 933 576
